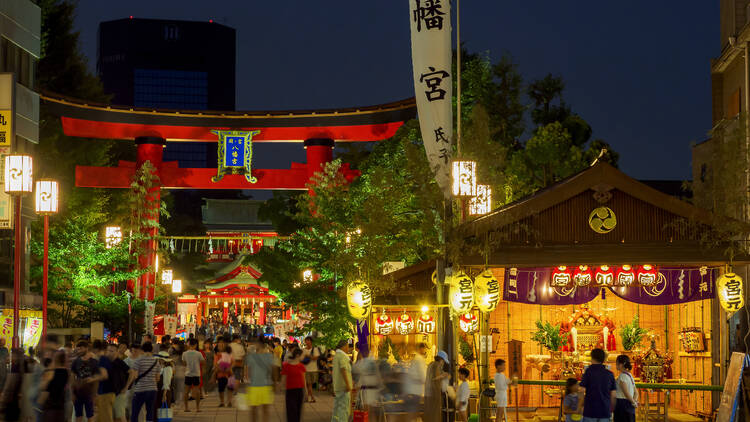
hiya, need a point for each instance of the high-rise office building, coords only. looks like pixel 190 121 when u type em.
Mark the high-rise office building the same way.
pixel 20 49
pixel 170 64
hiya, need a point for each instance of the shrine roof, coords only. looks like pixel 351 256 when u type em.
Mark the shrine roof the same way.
pixel 600 177
pixel 551 227
pixel 96 120
pixel 235 272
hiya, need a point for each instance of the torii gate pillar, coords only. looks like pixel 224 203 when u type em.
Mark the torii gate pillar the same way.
pixel 150 148
pixel 319 152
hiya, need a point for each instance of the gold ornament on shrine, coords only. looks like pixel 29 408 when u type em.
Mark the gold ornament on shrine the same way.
pixel 486 291
pixel 359 299
pixel 731 292
pixel 602 220
pixel 461 293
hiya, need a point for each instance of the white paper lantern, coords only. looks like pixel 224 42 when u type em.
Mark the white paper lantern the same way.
pixel 359 299
pixel 18 174
pixel 464 178
pixel 461 293
pixel 166 276
pixel 112 236
pixel 486 291
pixel 47 192
pixel 481 203
pixel 730 289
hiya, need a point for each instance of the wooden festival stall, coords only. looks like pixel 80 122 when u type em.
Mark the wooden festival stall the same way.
pixel 589 256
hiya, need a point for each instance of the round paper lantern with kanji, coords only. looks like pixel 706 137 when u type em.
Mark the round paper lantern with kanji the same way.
pixel 561 276
pixel 384 325
pixel 359 299
pixel 604 276
pixel 426 324
pixel 469 323
pixel 486 291
pixel 404 324
pixel 730 289
pixel 582 276
pixel 625 276
pixel 647 275
pixel 461 292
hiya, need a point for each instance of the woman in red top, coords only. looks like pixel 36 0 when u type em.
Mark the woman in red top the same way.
pixel 294 371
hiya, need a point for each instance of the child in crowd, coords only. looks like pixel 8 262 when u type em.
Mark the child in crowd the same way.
pixel 501 391
pixel 462 395
pixel 570 402
pixel 627 394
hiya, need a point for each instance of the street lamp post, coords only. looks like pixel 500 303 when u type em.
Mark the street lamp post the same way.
pixel 47 192
pixel 18 181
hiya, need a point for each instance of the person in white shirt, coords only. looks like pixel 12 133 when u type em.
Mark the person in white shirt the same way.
pixel 501 391
pixel 415 379
pixel 626 394
pixel 238 356
pixel 462 395
pixel 310 356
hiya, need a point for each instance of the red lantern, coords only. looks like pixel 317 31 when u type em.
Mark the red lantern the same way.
pixel 404 324
pixel 648 275
pixel 561 277
pixel 605 276
pixel 384 325
pixel 625 276
pixel 469 323
pixel 426 324
pixel 582 276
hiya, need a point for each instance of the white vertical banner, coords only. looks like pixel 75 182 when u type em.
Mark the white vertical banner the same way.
pixel 433 83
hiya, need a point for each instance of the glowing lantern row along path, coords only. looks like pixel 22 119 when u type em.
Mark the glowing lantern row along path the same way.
pixel 153 130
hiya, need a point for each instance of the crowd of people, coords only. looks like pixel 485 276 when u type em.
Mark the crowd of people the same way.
pixel 106 382
pixel 100 381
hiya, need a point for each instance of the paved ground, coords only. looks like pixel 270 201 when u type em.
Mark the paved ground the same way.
pixel 211 412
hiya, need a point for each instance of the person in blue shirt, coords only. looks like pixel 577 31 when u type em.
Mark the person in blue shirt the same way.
pixel 598 385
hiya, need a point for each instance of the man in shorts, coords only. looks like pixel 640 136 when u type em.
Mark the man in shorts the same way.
pixel 86 374
pixel 310 356
pixel 260 392
pixel 193 358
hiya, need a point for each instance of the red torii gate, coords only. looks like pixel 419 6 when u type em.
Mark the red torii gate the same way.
pixel 152 130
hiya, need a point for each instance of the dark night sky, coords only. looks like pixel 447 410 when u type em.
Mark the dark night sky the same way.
pixel 637 71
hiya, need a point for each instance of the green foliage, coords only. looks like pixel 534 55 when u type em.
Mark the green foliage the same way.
pixel 387 349
pixel 394 210
pixel 632 334
pixel 466 350
pixel 549 336
pixel 81 274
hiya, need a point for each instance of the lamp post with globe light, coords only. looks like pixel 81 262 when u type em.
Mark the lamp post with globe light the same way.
pixel 18 181
pixel 47 192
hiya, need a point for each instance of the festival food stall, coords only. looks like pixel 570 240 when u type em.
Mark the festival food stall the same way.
pixel 602 260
